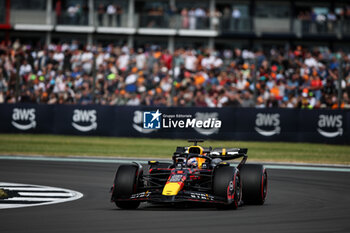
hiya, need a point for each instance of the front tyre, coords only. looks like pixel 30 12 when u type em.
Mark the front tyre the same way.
pixel 227 184
pixel 254 184
pixel 125 184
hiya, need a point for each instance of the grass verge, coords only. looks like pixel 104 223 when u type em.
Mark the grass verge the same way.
pixel 29 144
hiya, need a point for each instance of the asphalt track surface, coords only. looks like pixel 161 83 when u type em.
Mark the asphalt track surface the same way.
pixel 298 201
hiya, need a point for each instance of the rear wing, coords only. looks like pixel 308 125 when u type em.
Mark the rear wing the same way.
pixel 228 153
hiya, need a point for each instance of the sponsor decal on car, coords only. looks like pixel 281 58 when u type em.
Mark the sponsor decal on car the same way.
pixel 23 118
pixel 267 124
pixel 202 196
pixel 140 195
pixel 84 120
pixel 330 126
pixel 175 178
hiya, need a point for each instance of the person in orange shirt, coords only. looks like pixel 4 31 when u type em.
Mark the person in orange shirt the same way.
pixel 275 92
pixel 199 79
pixel 316 86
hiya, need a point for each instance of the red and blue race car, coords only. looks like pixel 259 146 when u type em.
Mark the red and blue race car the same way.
pixel 196 174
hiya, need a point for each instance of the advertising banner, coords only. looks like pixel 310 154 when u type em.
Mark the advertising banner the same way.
pixel 84 120
pixel 28 118
pixel 290 125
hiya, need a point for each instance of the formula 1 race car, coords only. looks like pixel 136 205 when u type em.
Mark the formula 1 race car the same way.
pixel 196 174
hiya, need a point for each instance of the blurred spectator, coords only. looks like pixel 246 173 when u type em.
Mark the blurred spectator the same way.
pixel 155 17
pixel 216 19
pixel 321 23
pixel 190 61
pixel 140 59
pixel 74 12
pixel 226 16
pixel 171 16
pixel 111 10
pixel 236 15
pixel 3 86
pixel 85 14
pixel 62 74
pixel 100 14
pixel 200 17
pixel 331 21
pixel 305 18
pixel 119 12
pixel 192 19
pixel 123 62
pixel 58 11
pixel 184 18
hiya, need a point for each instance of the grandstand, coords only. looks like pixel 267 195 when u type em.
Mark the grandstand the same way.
pixel 214 53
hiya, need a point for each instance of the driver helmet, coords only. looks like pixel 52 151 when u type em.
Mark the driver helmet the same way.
pixel 192 162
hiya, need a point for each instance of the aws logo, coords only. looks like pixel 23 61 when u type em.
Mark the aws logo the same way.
pixel 84 120
pixel 23 118
pixel 267 124
pixel 330 126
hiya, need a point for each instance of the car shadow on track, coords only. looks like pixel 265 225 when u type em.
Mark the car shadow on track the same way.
pixel 174 207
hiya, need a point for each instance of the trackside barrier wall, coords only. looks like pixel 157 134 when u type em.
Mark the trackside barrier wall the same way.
pixel 292 125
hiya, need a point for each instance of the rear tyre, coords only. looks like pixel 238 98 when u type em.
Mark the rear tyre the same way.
pixel 227 184
pixel 254 184
pixel 125 184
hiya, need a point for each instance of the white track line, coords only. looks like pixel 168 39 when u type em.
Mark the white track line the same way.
pixel 33 199
pixel 29 189
pixel 61 195
pixel 10 206
pixel 45 194
pixel 9 184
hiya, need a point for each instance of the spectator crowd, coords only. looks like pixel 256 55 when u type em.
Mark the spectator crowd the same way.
pixel 118 75
pixel 322 22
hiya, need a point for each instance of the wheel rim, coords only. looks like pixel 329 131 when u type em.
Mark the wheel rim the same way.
pixel 238 189
pixel 230 191
pixel 234 190
pixel 264 193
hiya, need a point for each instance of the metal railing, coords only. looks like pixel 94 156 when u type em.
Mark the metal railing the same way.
pixel 309 27
pixel 176 21
pixel 73 19
pixel 173 22
pixel 157 21
pixel 28 17
pixel 303 27
pixel 229 24
pixel 107 20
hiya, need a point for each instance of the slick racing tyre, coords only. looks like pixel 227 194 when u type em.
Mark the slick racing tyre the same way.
pixel 254 184
pixel 227 184
pixel 125 184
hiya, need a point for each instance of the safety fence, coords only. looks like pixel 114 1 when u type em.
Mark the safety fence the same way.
pixel 292 125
